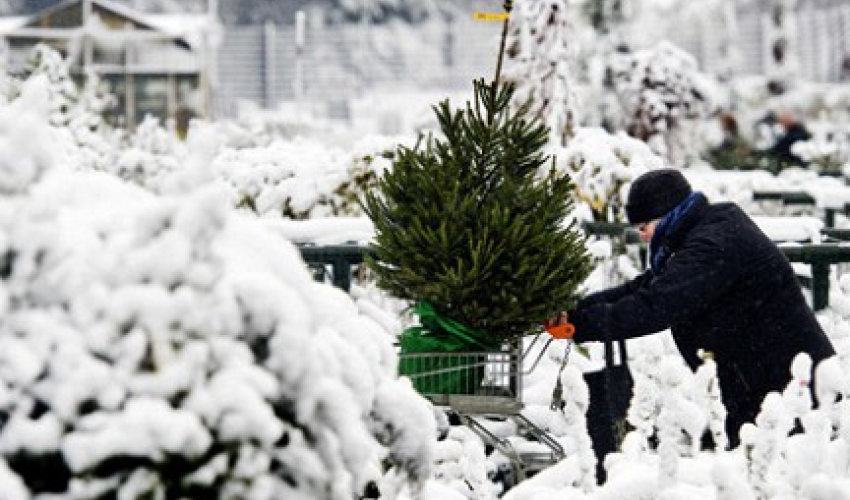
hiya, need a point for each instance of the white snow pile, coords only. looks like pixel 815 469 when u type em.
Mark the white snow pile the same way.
pixel 168 346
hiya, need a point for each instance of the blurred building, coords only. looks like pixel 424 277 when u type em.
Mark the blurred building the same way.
pixel 151 64
pixel 742 40
pixel 324 60
pixel 317 57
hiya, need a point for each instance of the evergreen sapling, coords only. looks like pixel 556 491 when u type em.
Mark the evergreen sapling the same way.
pixel 473 222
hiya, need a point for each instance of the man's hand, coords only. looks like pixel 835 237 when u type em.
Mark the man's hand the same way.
pixel 559 327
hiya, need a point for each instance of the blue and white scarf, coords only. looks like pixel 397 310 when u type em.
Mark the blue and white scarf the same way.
pixel 658 250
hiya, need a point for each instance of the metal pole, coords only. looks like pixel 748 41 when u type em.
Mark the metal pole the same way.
pixel 364 42
pixel 269 36
pixel 300 27
pixel 208 69
pixel 88 49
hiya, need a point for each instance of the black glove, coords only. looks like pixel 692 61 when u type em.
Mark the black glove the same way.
pixel 587 330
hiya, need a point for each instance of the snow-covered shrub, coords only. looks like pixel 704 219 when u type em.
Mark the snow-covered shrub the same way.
pixel 303 178
pixel 368 159
pixel 25 159
pixel 45 62
pixel 75 111
pixel 661 90
pixel 706 395
pixel 166 346
pixel 460 463
pixel 602 166
pixel 258 127
pixel 646 398
pixel 614 263
pixel 568 426
pixel 149 154
pixel 289 179
pixel 828 151
pixel 272 167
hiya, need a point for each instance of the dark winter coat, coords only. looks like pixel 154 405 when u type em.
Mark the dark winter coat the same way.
pixel 782 149
pixel 726 288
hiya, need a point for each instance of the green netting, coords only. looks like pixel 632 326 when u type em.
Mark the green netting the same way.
pixel 443 373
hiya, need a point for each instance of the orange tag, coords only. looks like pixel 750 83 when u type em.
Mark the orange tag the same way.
pixel 562 331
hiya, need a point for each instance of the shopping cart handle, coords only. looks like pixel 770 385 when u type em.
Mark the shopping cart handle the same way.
pixel 562 331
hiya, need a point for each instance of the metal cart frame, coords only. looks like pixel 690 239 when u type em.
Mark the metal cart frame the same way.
pixel 477 385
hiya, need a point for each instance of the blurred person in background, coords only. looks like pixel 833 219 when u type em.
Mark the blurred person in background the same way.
pixel 792 130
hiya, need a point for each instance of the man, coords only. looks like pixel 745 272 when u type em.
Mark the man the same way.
pixel 793 131
pixel 719 284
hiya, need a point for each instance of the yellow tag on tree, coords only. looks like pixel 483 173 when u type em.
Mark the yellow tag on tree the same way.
pixel 490 16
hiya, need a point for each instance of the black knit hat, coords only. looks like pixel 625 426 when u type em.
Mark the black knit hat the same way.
pixel 655 193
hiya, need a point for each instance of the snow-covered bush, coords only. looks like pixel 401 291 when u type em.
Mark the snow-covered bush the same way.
pixel 257 127
pixel 661 90
pixel 167 346
pixel 602 166
pixel 461 464
pixel 75 111
pixel 303 178
pixel 149 154
pixel 368 159
pixel 828 151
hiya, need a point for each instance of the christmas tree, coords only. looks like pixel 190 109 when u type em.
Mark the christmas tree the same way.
pixel 472 226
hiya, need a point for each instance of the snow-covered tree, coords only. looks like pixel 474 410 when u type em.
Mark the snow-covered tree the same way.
pixel 68 104
pixel 74 111
pixel 606 16
pixel 541 62
pixel 660 91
